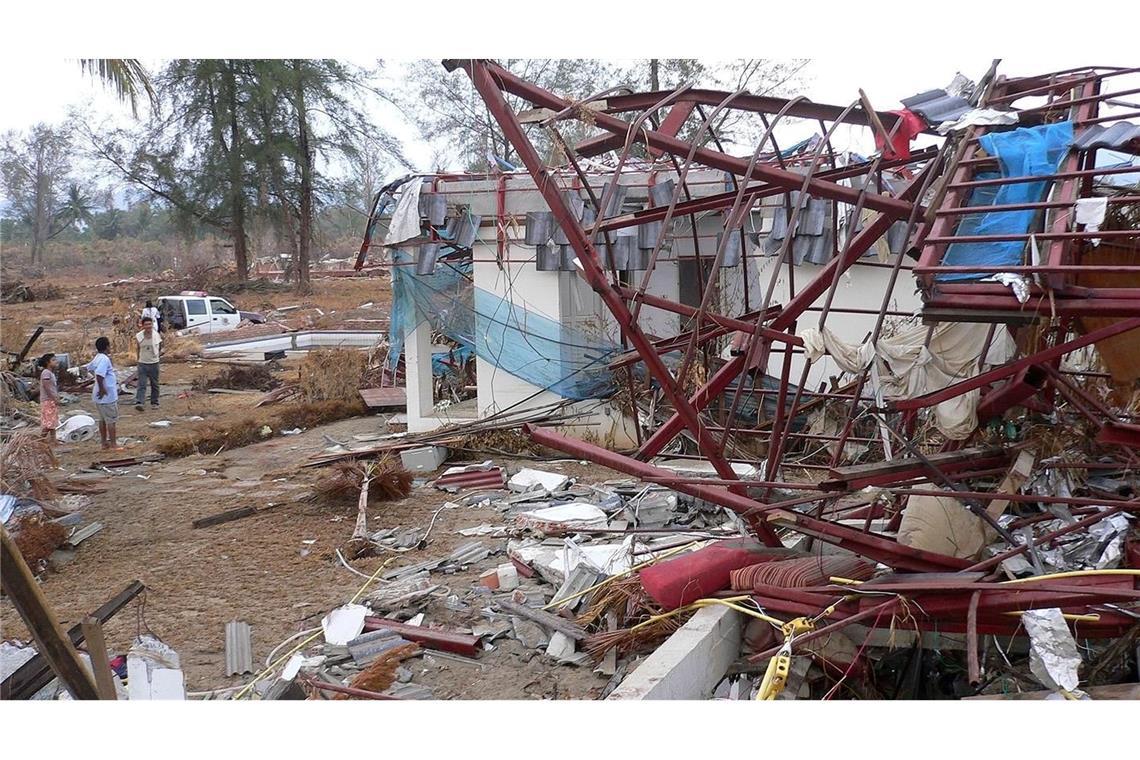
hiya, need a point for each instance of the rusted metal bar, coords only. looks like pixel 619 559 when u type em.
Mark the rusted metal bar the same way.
pixel 487 80
pixel 820 188
pixel 432 638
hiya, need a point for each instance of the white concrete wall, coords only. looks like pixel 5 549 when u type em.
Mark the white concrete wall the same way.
pixel 861 287
pixel 565 296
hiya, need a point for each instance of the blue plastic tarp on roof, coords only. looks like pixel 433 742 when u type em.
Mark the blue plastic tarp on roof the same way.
pixel 1026 152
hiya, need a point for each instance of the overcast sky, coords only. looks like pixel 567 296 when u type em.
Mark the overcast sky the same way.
pixel 58 85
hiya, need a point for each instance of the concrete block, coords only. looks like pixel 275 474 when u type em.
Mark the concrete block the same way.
pixel 561 647
pixel 691 662
pixel 508 577
pixel 424 459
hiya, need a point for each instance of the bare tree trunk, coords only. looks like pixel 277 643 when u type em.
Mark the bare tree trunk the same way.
pixel 42 222
pixel 305 233
pixel 654 76
pixel 237 197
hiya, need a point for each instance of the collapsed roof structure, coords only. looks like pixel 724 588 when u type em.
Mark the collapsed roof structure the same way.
pixel 988 439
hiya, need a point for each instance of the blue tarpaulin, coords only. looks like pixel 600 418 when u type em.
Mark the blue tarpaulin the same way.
pixel 543 352
pixel 1026 152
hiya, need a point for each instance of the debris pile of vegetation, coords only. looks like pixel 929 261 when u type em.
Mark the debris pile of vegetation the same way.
pixel 256 377
pixel 211 437
pixel 336 374
pixel 25 460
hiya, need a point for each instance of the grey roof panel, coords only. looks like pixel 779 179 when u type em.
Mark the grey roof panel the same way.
pixel 936 106
pixel 239 648
pixel 1119 136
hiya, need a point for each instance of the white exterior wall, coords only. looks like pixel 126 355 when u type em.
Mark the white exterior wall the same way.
pixel 861 287
pixel 567 298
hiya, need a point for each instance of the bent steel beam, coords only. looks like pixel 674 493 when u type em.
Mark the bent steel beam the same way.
pixel 485 84
pixel 508 82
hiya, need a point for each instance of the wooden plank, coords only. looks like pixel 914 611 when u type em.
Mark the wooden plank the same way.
pixel 22 589
pixel 545 619
pixel 224 517
pixel 100 662
pixel 35 674
pixel 384 397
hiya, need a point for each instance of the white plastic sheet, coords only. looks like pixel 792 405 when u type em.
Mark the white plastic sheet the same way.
pixel 405 223
pixel 907 368
pixel 1053 656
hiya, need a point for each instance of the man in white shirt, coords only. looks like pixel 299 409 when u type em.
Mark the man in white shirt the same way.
pixel 151 311
pixel 147 341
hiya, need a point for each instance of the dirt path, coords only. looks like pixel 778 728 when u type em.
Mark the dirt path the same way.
pixel 277 571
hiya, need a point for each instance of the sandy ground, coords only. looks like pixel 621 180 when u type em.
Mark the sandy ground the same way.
pixel 277 571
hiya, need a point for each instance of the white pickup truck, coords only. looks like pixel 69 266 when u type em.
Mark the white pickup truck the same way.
pixel 198 312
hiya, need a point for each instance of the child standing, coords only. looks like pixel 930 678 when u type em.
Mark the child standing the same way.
pixel 105 392
pixel 49 396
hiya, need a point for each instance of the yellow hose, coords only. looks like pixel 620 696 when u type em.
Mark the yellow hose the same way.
pixel 1073 574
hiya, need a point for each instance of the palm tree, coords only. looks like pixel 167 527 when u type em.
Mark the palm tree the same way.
pixel 76 207
pixel 126 76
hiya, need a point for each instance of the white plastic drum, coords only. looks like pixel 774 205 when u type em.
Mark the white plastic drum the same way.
pixel 76 429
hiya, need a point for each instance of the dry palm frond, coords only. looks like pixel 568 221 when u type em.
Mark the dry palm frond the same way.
pixel 391 480
pixel 636 638
pixel 36 538
pixel 626 602
pixel 341 480
pixel 333 375
pixel 388 480
pixel 624 597
pixel 24 460
pixel 381 674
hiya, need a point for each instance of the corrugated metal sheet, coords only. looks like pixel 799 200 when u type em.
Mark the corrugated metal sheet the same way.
pixel 936 106
pixel 1122 135
pixel 239 648
pixel 492 478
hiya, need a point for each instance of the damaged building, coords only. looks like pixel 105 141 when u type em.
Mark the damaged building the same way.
pixel 921 359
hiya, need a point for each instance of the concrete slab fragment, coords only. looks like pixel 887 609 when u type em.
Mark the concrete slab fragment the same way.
pixel 691 662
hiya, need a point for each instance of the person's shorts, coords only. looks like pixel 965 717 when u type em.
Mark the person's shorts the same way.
pixel 108 412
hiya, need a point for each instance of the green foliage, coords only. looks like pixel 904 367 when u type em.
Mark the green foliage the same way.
pixel 126 76
pixel 249 148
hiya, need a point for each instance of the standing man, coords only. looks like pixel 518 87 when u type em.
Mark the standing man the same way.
pixel 147 341
pixel 150 310
pixel 105 392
